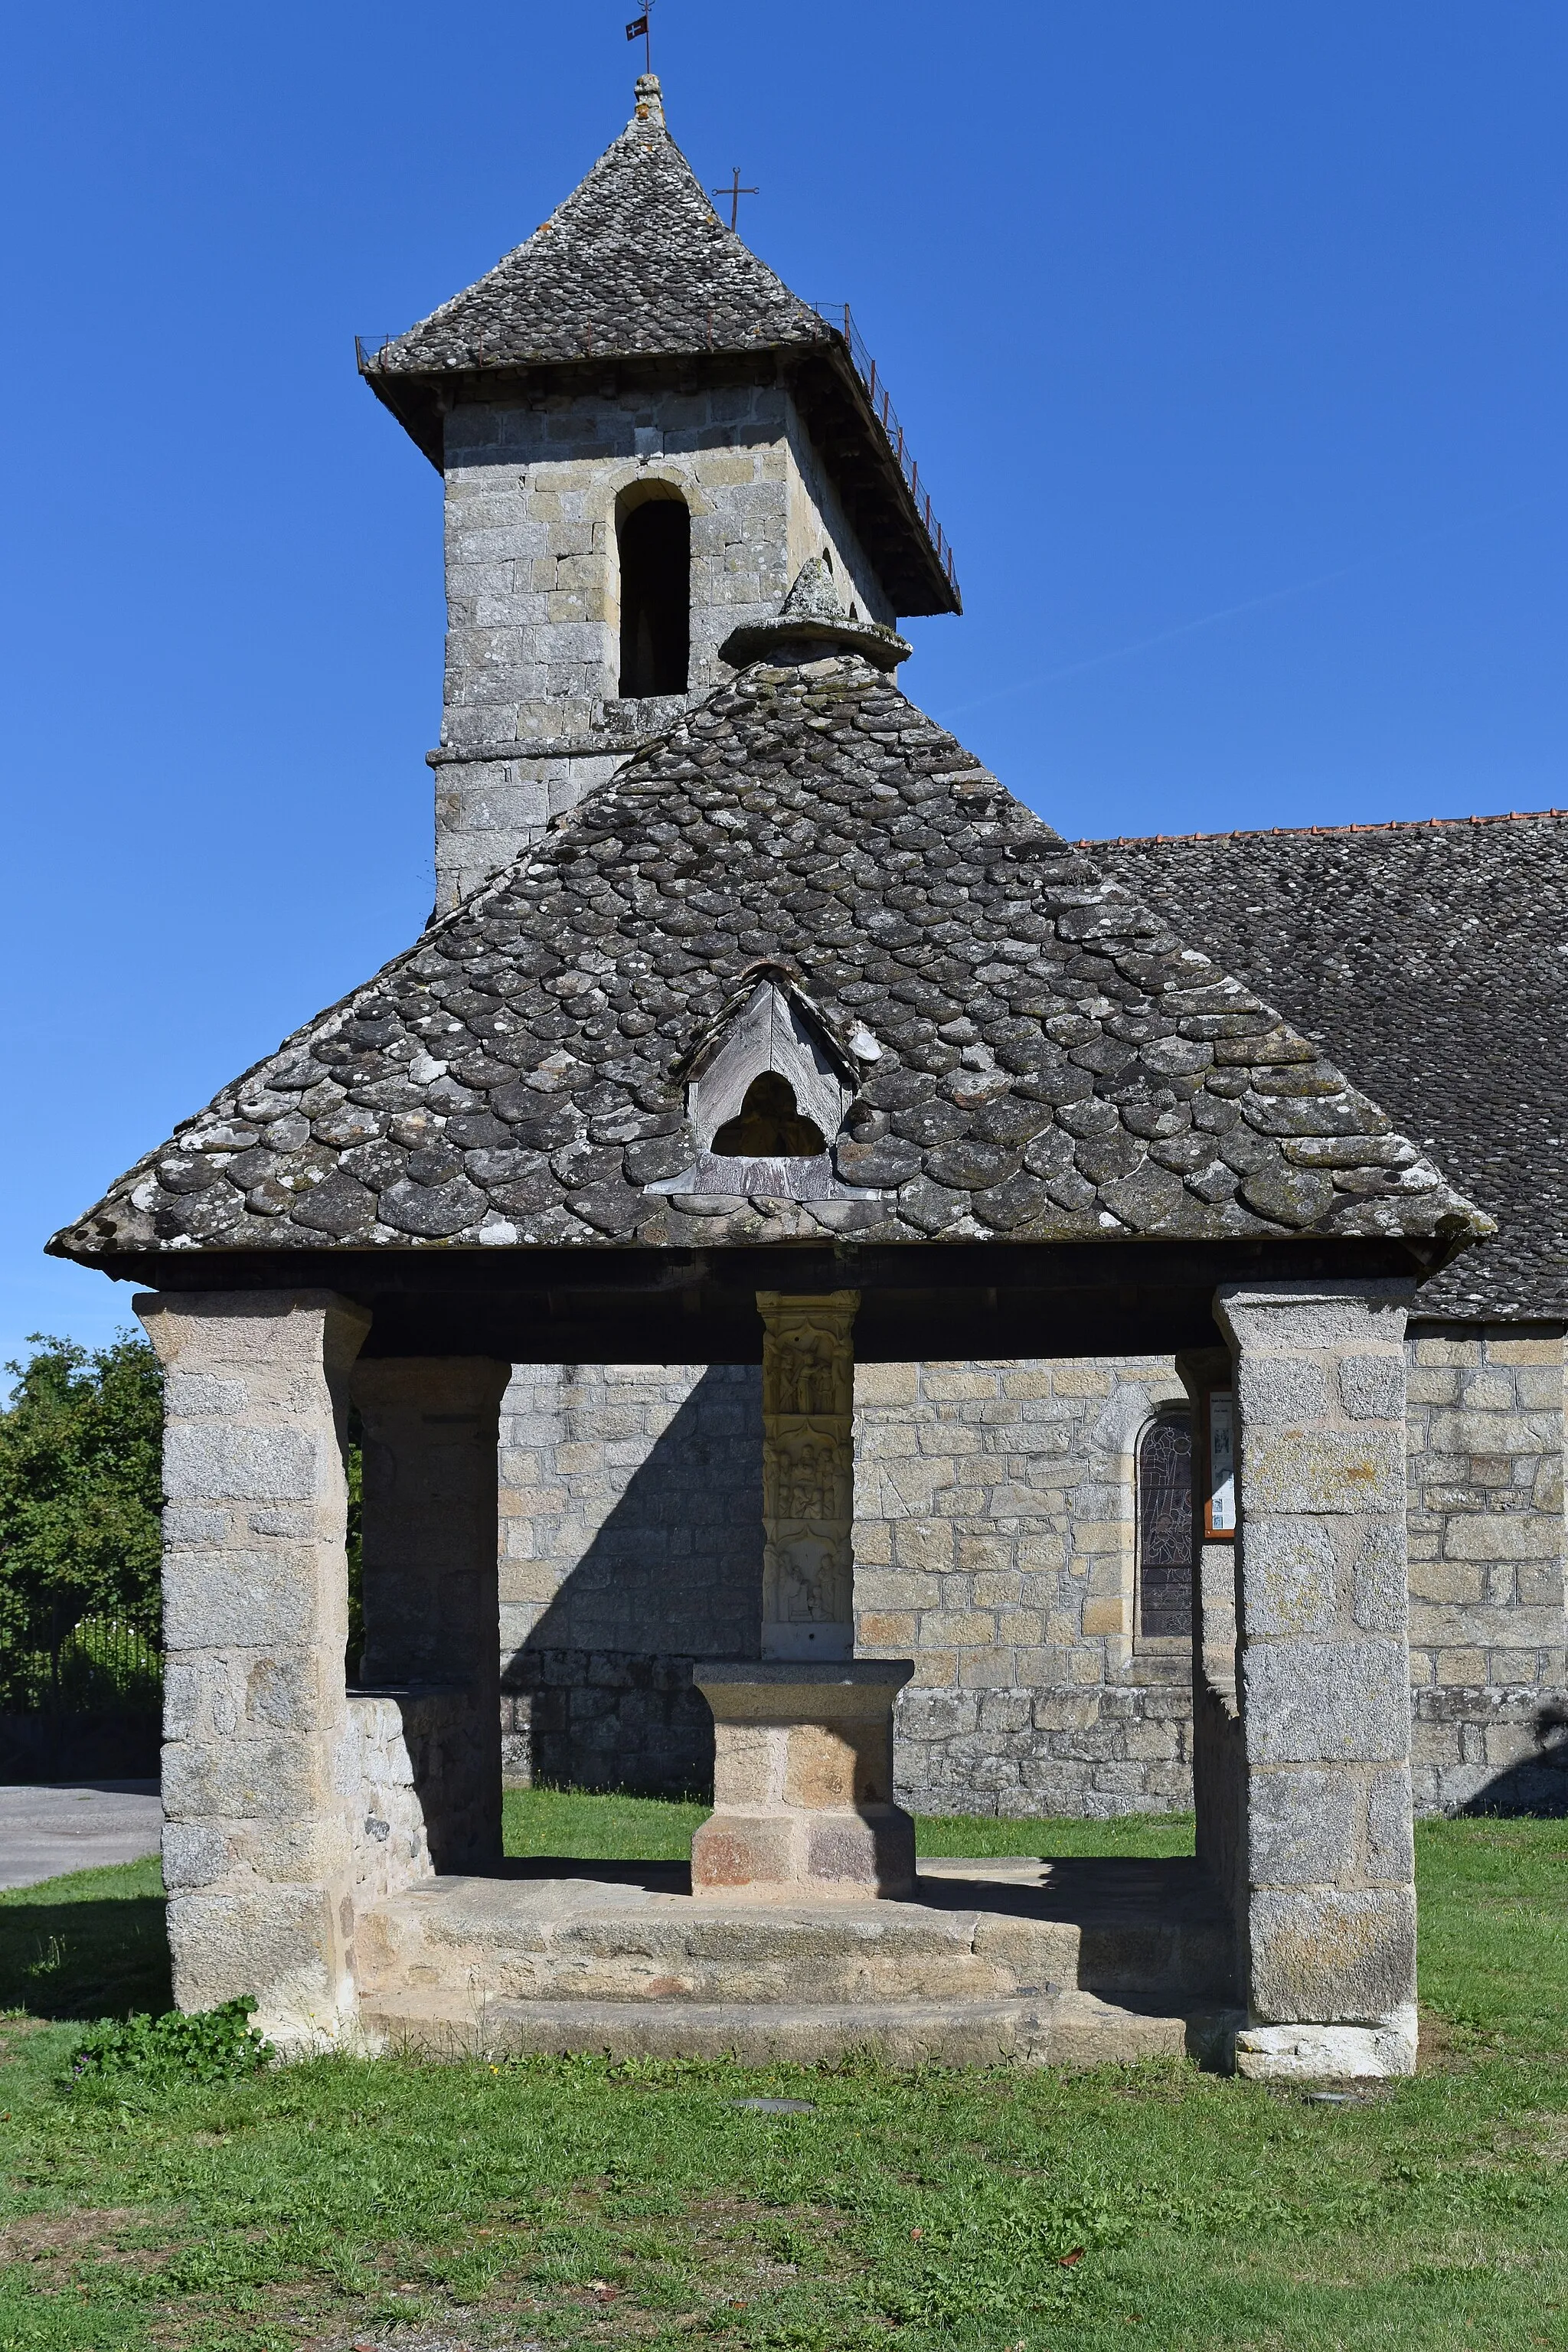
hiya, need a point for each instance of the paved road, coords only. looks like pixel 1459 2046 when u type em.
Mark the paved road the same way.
pixel 75 1825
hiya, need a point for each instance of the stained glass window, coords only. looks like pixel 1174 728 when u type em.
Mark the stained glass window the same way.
pixel 1165 1528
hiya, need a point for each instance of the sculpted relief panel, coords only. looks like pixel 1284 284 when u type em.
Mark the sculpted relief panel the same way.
pixel 808 1474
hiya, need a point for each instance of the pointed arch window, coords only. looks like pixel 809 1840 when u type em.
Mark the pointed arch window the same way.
pixel 653 539
pixel 1165 1528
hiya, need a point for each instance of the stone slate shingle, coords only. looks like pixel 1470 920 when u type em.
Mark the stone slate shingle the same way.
pixel 635 273
pixel 635 263
pixel 1434 957
pixel 1043 1058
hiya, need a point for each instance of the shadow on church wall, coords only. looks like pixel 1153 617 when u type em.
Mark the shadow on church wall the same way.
pixel 586 1701
pixel 1536 1782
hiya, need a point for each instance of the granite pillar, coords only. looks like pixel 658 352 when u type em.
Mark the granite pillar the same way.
pixel 1328 1934
pixel 258 1847
pixel 1219 1773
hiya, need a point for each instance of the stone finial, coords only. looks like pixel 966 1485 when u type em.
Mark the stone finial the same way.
pixel 650 100
pixel 812 622
pixel 815 595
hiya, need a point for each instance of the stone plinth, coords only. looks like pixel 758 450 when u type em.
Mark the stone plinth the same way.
pixel 996 1962
pixel 802 1782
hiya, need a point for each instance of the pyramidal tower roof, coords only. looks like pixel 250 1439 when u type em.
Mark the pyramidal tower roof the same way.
pixel 1034 1054
pixel 635 270
pixel 635 262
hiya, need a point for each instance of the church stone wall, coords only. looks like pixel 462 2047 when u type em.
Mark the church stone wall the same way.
pixel 631 1544
pixel 996 1544
pixel 531 721
pixel 1487 1561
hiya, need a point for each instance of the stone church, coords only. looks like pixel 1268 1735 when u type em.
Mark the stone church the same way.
pixel 869 1298
pixel 647 441
pixel 628 477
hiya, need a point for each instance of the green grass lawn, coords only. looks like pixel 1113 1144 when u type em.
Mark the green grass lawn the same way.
pixel 575 2202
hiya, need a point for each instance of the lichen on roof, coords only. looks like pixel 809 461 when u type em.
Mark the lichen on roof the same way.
pixel 1434 957
pixel 635 262
pixel 1046 1057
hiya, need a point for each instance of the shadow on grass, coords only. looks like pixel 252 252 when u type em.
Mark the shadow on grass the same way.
pixel 83 1955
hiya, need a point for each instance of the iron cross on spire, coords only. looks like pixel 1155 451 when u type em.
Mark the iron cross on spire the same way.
pixel 735 191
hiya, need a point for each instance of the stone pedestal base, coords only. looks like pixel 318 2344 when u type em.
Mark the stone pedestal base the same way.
pixel 802 1782
pixel 1290 2053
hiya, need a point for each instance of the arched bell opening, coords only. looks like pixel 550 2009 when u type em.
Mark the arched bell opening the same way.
pixel 653 540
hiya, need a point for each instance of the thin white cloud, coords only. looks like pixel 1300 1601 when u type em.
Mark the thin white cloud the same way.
pixel 1233 612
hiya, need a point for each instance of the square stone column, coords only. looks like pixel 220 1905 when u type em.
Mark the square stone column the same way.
pixel 1328 1939
pixel 256 1842
pixel 802 1760
pixel 1218 1758
pixel 430 1534
pixel 808 1474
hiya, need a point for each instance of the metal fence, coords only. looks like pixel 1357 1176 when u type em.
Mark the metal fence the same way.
pixel 86 1665
pixel 837 316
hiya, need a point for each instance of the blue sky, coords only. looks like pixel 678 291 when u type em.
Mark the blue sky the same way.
pixel 1230 340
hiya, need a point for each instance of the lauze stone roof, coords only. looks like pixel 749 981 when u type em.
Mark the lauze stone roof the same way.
pixel 636 272
pixel 1040 1056
pixel 1435 959
pixel 634 262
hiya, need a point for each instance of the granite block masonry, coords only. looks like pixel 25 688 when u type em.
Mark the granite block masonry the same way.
pixel 803 1778
pixel 534 717
pixel 259 1846
pixel 1327 1934
pixel 429 1547
pixel 997 1543
pixel 1487 1567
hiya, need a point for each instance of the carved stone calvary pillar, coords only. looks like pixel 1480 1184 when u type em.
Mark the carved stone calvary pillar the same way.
pixel 803 1765
pixel 809 1475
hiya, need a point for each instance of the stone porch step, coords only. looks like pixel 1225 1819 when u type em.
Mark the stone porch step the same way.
pixel 1147 1934
pixel 1056 2028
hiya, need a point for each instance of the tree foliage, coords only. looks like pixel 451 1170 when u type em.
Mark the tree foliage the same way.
pixel 81 1488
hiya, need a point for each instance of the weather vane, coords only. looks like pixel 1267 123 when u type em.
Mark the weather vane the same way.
pixel 639 29
pixel 735 191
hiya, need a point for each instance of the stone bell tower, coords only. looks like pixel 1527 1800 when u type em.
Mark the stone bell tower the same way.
pixel 644 436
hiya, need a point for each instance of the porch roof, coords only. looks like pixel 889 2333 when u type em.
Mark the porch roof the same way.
pixel 1037 1057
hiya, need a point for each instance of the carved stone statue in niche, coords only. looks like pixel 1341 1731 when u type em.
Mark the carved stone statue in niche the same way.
pixel 811 1579
pixel 808 1362
pixel 812 1479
